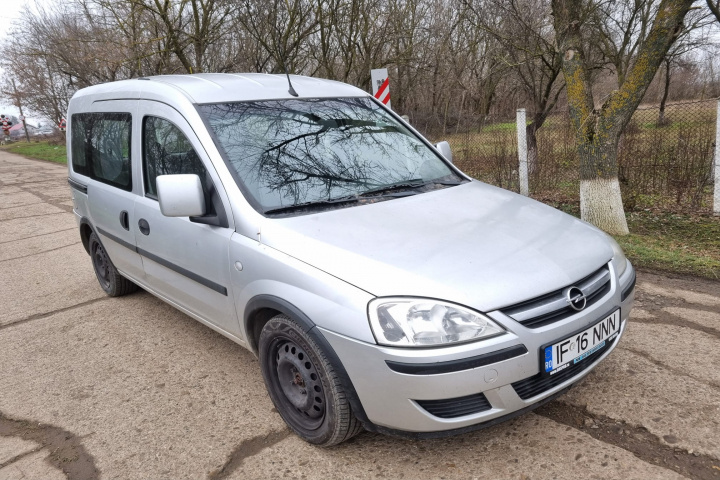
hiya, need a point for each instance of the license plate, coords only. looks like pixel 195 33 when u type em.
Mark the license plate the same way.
pixel 581 345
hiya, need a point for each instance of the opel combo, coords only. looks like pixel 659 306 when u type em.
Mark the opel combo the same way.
pixel 379 286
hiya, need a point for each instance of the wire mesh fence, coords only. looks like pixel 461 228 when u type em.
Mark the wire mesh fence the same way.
pixel 665 156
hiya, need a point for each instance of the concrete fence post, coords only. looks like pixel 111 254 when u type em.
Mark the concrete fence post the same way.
pixel 522 152
pixel 716 166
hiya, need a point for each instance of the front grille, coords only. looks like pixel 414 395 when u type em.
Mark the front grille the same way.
pixel 553 307
pixel 456 407
pixel 537 384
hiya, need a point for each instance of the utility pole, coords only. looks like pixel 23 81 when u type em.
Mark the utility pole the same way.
pixel 19 105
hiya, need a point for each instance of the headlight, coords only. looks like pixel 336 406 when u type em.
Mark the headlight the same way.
pixel 420 322
pixel 619 260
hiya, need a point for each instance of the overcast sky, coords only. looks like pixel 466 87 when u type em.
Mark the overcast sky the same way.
pixel 9 12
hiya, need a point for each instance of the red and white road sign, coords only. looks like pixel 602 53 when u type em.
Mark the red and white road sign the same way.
pixel 381 85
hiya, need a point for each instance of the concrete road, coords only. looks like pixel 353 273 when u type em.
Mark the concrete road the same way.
pixel 97 387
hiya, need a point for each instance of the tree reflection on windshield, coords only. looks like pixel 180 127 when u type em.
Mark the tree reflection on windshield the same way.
pixel 289 152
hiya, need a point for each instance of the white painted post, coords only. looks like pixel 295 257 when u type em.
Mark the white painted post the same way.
pixel 716 199
pixel 522 152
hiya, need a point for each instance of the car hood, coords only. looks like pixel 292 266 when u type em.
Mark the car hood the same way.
pixel 473 244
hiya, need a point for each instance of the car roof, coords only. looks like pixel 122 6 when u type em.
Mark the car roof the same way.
pixel 219 87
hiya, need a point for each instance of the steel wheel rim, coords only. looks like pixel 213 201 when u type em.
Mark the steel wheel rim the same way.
pixel 101 263
pixel 298 384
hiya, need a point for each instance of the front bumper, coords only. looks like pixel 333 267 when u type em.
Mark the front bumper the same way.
pixel 392 400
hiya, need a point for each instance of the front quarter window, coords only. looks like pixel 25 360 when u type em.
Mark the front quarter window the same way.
pixel 298 152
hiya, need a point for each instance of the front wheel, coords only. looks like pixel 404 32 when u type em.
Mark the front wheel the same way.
pixel 303 384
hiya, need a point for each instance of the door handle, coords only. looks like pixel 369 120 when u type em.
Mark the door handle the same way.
pixel 144 226
pixel 125 220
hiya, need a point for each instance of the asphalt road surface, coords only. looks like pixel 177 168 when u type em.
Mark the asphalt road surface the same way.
pixel 98 387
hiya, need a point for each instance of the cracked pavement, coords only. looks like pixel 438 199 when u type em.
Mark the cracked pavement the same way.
pixel 97 387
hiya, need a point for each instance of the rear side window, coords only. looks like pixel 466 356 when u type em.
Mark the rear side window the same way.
pixel 167 151
pixel 101 147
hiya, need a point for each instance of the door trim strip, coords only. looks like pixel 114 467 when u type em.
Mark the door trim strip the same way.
pixel 167 264
pixel 117 239
pixel 77 186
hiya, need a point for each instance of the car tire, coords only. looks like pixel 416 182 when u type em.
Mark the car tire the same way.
pixel 107 275
pixel 303 385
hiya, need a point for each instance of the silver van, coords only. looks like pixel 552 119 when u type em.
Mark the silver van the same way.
pixel 378 285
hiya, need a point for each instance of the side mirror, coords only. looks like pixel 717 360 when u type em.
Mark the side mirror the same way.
pixel 180 195
pixel 444 149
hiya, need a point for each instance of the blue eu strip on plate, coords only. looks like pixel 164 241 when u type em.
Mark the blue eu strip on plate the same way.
pixel 548 358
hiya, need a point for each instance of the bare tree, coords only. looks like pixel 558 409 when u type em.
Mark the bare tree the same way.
pixel 523 30
pixel 475 60
pixel 619 27
pixel 714 7
pixel 451 62
pixel 597 130
pixel 695 35
pixel 282 29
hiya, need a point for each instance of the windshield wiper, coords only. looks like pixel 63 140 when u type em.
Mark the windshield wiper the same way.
pixel 407 184
pixel 356 198
pixel 390 187
pixel 446 182
pixel 319 204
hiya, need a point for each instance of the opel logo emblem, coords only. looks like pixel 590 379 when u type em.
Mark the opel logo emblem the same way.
pixel 576 298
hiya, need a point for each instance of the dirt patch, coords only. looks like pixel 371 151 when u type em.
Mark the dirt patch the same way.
pixel 67 452
pixel 246 449
pixel 637 440
pixel 680 282
pixel 38 316
pixel 656 293
pixel 674 320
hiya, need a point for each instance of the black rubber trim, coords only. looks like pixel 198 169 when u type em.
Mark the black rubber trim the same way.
pixel 457 365
pixel 628 289
pixel 260 302
pixel 117 239
pixel 459 431
pixel 175 268
pixel 77 186
pixel 84 240
pixel 184 272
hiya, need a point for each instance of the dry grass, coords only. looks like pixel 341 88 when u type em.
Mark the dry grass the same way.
pixel 661 166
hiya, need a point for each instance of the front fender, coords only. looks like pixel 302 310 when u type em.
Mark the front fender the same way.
pixel 267 278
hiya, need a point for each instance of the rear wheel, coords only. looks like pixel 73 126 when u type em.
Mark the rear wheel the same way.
pixel 108 277
pixel 303 384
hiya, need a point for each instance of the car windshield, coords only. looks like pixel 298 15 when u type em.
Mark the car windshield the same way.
pixel 295 153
